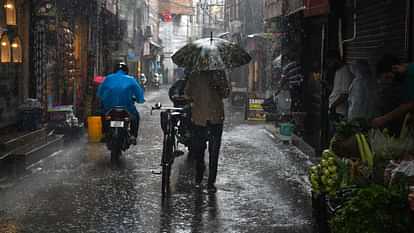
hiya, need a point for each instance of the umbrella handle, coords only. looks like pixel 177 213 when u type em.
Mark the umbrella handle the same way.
pixel 211 37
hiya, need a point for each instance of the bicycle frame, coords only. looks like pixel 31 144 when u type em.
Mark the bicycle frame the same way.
pixel 170 122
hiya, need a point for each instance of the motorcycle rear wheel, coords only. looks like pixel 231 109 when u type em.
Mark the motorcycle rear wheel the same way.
pixel 115 154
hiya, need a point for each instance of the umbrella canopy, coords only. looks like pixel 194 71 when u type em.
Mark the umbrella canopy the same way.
pixel 211 54
pixel 99 79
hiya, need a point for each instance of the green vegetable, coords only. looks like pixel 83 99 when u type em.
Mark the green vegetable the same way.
pixel 374 209
pixel 367 151
pixel 360 147
pixel 332 169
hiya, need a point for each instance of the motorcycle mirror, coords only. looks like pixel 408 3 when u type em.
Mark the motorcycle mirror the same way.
pixel 156 107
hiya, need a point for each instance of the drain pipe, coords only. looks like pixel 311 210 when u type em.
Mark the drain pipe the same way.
pixel 354 36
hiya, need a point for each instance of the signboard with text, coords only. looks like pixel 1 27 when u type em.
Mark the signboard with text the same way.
pixel 255 111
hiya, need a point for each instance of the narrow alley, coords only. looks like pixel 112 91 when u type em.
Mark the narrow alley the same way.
pixel 262 187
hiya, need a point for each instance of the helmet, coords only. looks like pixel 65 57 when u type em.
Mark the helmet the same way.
pixel 121 66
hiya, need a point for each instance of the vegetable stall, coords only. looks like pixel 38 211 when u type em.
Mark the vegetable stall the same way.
pixel 364 183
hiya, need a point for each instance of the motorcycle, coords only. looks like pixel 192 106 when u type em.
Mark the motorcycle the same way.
pixel 143 80
pixel 118 122
pixel 156 81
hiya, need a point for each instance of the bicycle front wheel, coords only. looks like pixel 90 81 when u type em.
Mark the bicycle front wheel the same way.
pixel 167 160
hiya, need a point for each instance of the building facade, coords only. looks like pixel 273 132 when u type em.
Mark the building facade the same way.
pixel 68 48
pixel 14 62
pixel 244 24
pixel 177 28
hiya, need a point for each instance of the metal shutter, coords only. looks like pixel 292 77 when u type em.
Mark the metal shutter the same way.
pixel 381 28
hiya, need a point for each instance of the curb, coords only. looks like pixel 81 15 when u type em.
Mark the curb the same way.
pixel 297 141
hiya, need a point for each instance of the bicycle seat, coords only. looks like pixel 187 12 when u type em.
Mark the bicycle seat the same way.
pixel 118 111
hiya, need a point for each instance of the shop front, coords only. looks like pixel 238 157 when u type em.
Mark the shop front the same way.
pixel 61 61
pixel 14 65
pixel 151 64
pixel 364 165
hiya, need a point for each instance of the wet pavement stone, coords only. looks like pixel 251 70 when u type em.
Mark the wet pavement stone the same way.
pixel 262 187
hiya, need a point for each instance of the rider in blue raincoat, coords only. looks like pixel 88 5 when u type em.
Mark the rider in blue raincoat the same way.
pixel 120 89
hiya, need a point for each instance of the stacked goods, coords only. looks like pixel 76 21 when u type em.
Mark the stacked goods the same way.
pixel 329 175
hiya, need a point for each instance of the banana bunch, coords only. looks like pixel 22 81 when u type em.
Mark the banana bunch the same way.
pixel 365 151
pixel 324 176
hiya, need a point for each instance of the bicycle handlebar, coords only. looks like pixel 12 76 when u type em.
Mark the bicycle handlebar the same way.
pixel 166 109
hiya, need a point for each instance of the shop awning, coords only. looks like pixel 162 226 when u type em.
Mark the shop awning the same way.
pixel 263 35
pixel 277 8
pixel 155 44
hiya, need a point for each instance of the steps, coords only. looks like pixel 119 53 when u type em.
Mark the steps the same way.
pixel 32 153
pixel 29 148
pixel 11 145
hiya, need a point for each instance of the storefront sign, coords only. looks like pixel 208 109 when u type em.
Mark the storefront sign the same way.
pixel 316 7
pixel 176 7
pixel 255 111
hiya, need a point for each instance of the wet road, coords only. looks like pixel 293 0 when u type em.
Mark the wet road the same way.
pixel 262 188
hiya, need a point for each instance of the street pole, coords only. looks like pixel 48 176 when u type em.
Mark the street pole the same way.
pixel 325 94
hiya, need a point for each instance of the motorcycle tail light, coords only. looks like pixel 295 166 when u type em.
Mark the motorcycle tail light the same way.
pixel 118 114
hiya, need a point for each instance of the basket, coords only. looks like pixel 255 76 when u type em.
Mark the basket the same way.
pixel 346 147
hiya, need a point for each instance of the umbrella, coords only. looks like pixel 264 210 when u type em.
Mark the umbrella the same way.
pixel 211 54
pixel 99 79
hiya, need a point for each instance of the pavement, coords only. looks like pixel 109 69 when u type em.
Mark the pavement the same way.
pixel 262 187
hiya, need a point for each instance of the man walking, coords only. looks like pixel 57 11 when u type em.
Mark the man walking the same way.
pixel 206 91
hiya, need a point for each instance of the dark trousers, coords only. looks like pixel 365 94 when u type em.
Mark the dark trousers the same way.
pixel 210 134
pixel 135 125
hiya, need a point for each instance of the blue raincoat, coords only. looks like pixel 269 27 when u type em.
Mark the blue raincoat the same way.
pixel 118 89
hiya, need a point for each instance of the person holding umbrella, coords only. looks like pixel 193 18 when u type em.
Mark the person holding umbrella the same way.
pixel 206 91
pixel 206 88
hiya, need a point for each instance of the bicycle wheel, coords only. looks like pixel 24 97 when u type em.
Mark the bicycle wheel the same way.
pixel 167 159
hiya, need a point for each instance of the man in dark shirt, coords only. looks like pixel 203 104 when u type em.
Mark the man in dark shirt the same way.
pixel 400 76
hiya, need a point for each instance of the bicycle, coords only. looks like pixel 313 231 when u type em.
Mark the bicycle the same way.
pixel 173 122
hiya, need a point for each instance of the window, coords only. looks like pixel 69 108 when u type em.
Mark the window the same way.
pixel 237 10
pixel 5 49
pixel 10 12
pixel 16 47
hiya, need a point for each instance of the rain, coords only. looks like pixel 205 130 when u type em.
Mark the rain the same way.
pixel 206 116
